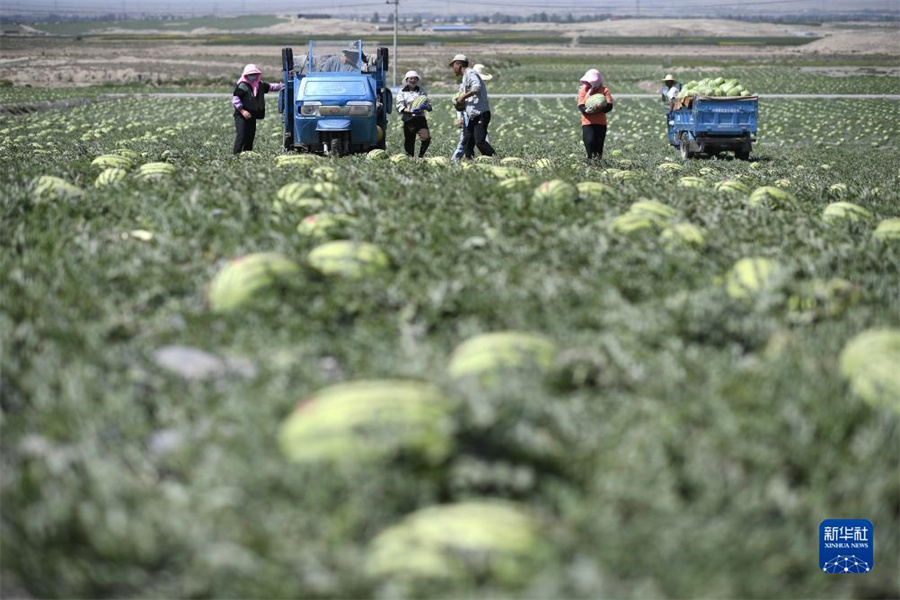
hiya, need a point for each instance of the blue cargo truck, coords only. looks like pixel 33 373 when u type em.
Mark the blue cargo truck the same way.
pixel 709 125
pixel 335 99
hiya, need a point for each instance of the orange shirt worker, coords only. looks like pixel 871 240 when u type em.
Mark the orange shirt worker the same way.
pixel 593 120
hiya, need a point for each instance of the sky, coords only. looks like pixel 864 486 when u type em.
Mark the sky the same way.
pixel 695 8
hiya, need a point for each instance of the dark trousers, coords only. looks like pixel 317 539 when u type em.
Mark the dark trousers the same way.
pixel 475 134
pixel 415 127
pixel 245 132
pixel 594 137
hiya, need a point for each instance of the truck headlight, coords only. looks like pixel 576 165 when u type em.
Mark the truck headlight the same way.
pixel 360 108
pixel 310 109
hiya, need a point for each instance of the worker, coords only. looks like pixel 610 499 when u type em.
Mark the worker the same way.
pixel 249 102
pixel 461 118
pixel 414 122
pixel 593 124
pixel 347 61
pixel 472 99
pixel 671 88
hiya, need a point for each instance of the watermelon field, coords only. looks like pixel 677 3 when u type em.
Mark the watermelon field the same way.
pixel 650 378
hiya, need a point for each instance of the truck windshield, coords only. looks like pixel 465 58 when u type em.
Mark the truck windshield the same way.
pixel 333 88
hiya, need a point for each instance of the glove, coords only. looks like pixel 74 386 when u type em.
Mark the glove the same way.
pixel 427 107
pixel 418 111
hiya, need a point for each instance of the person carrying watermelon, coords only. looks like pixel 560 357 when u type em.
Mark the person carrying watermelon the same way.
pixel 473 101
pixel 594 102
pixel 412 103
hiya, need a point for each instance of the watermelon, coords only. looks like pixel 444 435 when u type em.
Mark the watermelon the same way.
pixel 775 197
pixel 324 225
pixel 869 361
pixel 156 170
pixel 292 192
pixel 243 279
pixel 732 186
pixel 48 187
pixel 369 420
pixel 452 544
pixel 889 229
pixel 116 161
pixel 110 176
pixel 691 181
pixel 595 103
pixel 348 259
pixel 840 211
pixel 682 234
pixel 556 190
pixel 751 275
pixel 485 354
pixel 631 224
pixel 297 160
pixel 592 190
pixel 718 87
pixel 653 209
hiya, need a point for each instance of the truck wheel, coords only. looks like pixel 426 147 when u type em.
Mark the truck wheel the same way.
pixel 685 147
pixel 742 154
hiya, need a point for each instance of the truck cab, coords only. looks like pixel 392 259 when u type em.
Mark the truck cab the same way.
pixel 335 101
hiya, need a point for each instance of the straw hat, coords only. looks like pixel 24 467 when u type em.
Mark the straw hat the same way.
pixel 479 68
pixel 669 77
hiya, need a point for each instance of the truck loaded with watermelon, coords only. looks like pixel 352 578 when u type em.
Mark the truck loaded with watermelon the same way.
pixel 710 116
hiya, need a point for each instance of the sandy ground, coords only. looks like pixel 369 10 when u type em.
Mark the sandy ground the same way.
pixel 65 62
pixel 612 27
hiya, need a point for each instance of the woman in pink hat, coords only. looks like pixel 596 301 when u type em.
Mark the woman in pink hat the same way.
pixel 249 101
pixel 593 122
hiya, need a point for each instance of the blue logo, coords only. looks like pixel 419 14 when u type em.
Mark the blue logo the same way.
pixel 846 546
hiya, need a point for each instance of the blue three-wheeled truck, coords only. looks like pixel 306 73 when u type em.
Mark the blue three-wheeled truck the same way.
pixel 709 125
pixel 336 100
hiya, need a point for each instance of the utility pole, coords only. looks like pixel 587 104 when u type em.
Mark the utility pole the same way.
pixel 396 4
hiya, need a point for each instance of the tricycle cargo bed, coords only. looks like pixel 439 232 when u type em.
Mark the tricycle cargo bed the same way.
pixel 714 124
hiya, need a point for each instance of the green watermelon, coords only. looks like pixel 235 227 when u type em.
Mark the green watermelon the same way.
pixel 595 103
